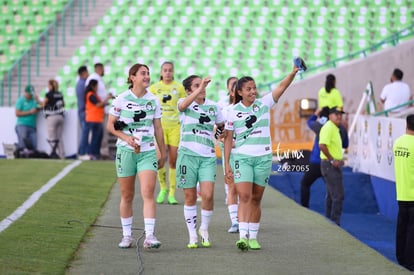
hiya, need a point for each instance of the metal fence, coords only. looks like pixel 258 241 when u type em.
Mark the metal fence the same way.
pixel 392 40
pixel 32 54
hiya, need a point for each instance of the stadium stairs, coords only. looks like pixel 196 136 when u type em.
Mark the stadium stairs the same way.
pixel 64 52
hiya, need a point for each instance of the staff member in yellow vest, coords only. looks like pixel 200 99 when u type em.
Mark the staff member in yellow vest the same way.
pixel 168 91
pixel 330 144
pixel 404 183
pixel 329 95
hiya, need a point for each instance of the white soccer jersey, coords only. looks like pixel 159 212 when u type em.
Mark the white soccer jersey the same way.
pixel 251 127
pixel 197 126
pixel 226 110
pixel 138 114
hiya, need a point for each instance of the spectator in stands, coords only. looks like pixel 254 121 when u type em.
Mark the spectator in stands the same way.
pixel 53 108
pixel 27 107
pixel 404 173
pixel 329 95
pixel 330 144
pixel 314 172
pixel 102 92
pixel 248 124
pixel 196 160
pixel 168 92
pixel 80 95
pixel 395 93
pixel 94 118
pixel 135 118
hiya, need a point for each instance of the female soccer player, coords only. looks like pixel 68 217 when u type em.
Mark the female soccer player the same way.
pixel 249 124
pixel 196 160
pixel 230 189
pixel 168 92
pixel 135 118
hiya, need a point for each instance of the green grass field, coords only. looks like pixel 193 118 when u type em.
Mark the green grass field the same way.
pixel 42 241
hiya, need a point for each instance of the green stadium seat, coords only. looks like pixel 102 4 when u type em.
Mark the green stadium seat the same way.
pixel 225 38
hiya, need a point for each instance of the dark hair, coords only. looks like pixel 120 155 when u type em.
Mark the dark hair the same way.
pixel 232 98
pixel 324 112
pixel 239 87
pixel 54 84
pixel 133 71
pixel 98 65
pixel 410 122
pixel 82 69
pixel 329 83
pixel 188 81
pixel 229 79
pixel 398 74
pixel 165 63
pixel 93 83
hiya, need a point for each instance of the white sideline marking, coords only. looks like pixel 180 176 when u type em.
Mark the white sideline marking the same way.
pixel 36 196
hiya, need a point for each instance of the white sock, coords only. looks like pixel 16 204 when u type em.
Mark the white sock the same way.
pixel 149 226
pixel 205 218
pixel 233 208
pixel 190 215
pixel 126 226
pixel 253 230
pixel 244 230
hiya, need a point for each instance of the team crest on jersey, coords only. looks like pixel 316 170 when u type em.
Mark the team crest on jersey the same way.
pixel 149 106
pixel 182 180
pixel 255 108
pixel 237 174
pixel 211 111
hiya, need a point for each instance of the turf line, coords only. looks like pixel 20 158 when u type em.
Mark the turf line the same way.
pixel 36 196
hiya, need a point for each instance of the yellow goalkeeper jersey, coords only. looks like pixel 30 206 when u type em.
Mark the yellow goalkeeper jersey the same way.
pixel 168 94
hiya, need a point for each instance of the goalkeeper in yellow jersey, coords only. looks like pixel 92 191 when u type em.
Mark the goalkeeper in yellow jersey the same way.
pixel 168 92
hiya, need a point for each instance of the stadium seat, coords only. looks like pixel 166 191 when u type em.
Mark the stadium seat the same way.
pixel 23 22
pixel 231 38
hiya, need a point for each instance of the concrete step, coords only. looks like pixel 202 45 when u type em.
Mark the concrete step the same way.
pixel 65 53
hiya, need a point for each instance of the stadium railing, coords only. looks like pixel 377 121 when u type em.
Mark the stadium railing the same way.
pixel 32 55
pixel 390 111
pixel 394 39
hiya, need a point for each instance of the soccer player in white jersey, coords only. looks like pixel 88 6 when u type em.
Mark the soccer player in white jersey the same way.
pixel 135 118
pixel 230 189
pixel 249 124
pixel 196 160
